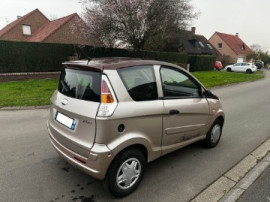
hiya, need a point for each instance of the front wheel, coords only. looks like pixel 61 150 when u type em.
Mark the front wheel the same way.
pixel 214 134
pixel 125 172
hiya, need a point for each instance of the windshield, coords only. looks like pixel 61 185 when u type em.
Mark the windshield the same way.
pixel 79 84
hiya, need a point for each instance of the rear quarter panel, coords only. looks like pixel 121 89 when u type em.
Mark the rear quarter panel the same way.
pixel 142 121
pixel 143 125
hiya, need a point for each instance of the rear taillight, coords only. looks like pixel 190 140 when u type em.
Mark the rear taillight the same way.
pixel 106 95
pixel 108 100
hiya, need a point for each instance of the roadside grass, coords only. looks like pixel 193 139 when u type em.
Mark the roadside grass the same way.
pixel 27 93
pixel 38 92
pixel 220 78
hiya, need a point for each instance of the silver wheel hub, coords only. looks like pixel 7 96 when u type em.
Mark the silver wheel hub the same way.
pixel 128 173
pixel 215 133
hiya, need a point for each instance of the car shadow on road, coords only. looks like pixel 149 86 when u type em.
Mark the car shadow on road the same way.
pixel 85 188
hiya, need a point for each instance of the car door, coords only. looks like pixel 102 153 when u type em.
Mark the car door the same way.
pixel 236 67
pixel 186 111
pixel 244 67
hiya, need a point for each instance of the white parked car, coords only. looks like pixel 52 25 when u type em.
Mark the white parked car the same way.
pixel 241 67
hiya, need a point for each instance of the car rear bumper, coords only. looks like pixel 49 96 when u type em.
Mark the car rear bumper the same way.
pixel 254 69
pixel 96 164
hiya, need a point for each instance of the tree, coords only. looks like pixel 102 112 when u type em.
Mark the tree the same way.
pixel 136 22
pixel 256 48
pixel 259 54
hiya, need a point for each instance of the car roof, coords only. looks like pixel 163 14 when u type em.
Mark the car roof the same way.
pixel 112 63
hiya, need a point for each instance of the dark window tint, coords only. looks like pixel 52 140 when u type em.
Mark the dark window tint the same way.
pixel 177 84
pixel 79 84
pixel 140 82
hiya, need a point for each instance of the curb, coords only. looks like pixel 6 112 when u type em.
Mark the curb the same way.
pixel 24 108
pixel 235 193
pixel 231 185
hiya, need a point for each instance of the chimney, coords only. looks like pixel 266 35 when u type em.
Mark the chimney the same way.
pixel 193 30
pixel 18 17
pixel 237 34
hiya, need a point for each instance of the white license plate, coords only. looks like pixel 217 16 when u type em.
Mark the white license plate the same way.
pixel 66 121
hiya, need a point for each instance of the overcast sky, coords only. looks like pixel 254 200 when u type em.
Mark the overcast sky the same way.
pixel 247 17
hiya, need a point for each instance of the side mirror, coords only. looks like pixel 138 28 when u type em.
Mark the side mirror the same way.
pixel 210 95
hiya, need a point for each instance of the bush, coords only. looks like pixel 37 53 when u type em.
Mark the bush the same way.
pixel 172 57
pixel 32 57
pixel 201 62
pixel 19 57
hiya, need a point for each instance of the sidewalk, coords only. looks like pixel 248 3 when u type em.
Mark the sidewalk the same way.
pixel 255 186
pixel 259 190
pixel 249 178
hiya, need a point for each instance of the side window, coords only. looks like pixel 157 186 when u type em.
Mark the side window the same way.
pixel 176 84
pixel 140 82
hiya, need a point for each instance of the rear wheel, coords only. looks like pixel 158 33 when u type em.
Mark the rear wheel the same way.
pixel 125 172
pixel 214 134
pixel 229 70
pixel 248 71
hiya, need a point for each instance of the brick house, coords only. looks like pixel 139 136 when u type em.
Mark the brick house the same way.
pixel 36 27
pixel 230 47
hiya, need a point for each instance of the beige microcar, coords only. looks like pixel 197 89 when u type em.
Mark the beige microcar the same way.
pixel 111 116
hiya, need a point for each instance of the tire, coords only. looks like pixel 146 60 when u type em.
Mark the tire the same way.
pixel 134 162
pixel 214 134
pixel 248 71
pixel 229 70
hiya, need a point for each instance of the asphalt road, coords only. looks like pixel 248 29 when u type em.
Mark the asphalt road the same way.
pixel 30 169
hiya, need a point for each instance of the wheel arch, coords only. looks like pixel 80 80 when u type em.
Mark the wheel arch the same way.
pixel 139 147
pixel 222 119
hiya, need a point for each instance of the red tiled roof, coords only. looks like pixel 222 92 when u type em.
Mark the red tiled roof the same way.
pixel 235 43
pixel 51 27
pixel 16 22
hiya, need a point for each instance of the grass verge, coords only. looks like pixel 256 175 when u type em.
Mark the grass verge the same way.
pixel 27 93
pixel 38 92
pixel 215 78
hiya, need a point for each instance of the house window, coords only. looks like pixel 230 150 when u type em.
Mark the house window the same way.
pixel 220 45
pixel 26 30
pixel 201 44
pixel 243 47
pixel 209 46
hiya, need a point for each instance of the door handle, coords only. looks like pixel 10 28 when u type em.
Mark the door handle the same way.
pixel 174 112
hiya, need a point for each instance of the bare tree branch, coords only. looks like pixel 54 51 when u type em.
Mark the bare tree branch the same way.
pixel 135 22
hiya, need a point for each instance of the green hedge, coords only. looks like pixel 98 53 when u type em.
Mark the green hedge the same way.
pixel 16 57
pixel 201 62
pixel 32 57
pixel 172 57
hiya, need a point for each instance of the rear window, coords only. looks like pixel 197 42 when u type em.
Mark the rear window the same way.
pixel 140 82
pixel 80 84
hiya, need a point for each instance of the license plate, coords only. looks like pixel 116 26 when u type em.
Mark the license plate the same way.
pixel 65 120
